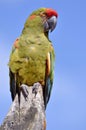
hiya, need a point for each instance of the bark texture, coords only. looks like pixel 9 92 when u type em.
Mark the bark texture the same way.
pixel 29 115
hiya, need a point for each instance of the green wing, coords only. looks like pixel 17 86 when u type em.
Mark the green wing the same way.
pixel 49 80
pixel 14 88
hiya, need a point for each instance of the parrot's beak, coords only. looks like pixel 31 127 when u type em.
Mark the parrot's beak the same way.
pixel 50 24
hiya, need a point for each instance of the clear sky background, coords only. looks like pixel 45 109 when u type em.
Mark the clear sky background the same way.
pixel 67 107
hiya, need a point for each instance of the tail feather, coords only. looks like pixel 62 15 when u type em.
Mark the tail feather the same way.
pixel 14 88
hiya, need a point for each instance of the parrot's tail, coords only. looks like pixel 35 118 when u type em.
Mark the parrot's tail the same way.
pixel 14 88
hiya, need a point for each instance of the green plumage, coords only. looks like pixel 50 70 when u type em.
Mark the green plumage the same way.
pixel 28 60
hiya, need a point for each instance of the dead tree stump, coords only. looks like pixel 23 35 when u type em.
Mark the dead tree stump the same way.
pixel 29 115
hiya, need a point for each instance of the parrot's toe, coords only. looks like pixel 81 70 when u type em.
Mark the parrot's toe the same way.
pixel 24 90
pixel 35 88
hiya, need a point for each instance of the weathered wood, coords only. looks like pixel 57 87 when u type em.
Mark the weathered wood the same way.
pixel 30 115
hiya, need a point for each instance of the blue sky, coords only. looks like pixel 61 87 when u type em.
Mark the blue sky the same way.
pixel 67 107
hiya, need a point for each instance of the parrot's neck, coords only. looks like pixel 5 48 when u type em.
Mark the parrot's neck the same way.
pixel 33 26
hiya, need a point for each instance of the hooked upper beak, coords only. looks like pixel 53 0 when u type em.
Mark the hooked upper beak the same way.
pixel 50 24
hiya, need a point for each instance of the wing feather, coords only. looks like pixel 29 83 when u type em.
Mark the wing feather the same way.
pixel 49 80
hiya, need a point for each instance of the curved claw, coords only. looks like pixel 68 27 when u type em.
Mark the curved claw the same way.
pixel 24 91
pixel 35 88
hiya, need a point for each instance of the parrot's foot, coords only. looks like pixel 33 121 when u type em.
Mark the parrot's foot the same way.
pixel 35 88
pixel 24 91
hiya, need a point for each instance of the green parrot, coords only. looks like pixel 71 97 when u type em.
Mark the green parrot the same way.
pixel 32 56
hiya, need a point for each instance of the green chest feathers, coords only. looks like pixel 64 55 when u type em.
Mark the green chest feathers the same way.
pixel 29 61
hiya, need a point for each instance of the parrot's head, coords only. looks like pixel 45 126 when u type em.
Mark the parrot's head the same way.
pixel 46 18
pixel 49 19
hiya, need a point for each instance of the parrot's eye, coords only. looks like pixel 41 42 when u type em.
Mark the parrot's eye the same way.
pixel 42 14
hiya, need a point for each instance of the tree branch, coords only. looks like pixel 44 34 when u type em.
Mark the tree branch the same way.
pixel 29 115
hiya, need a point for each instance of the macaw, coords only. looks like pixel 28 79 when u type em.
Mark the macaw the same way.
pixel 32 56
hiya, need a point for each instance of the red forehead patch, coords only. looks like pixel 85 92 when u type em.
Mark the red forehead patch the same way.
pixel 51 12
